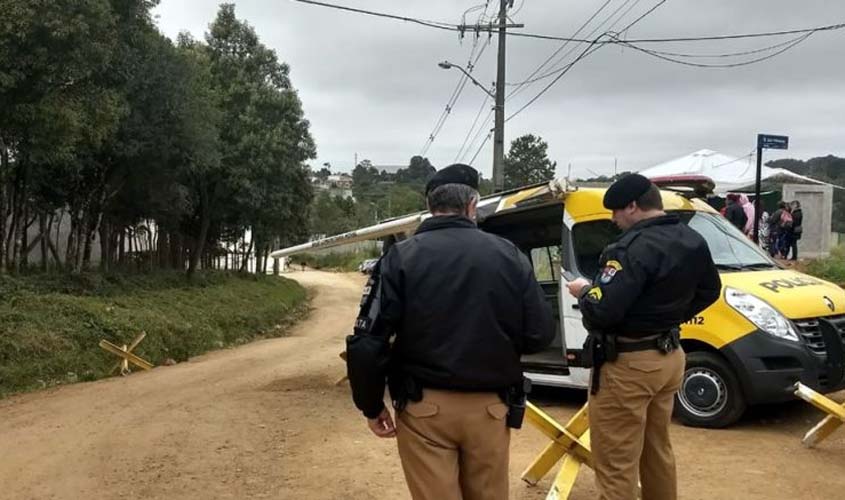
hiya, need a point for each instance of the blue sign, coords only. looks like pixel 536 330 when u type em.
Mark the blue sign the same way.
pixel 765 141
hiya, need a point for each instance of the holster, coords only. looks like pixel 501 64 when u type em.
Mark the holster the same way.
pixel 515 397
pixel 598 349
pixel 403 388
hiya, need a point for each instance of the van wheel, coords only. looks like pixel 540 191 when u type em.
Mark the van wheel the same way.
pixel 710 395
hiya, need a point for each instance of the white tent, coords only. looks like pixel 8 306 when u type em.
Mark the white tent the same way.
pixel 728 173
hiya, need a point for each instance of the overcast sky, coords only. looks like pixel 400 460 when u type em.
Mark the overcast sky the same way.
pixel 372 86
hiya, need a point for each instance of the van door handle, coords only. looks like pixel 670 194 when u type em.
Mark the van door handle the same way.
pixel 576 307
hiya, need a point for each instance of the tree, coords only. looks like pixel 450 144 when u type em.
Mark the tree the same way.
pixel 418 172
pixel 527 162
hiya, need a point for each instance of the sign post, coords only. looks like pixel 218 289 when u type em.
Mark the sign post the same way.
pixel 764 141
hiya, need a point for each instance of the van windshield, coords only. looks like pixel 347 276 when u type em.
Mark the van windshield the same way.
pixel 730 249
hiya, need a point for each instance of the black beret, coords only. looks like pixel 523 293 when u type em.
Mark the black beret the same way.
pixel 453 174
pixel 625 190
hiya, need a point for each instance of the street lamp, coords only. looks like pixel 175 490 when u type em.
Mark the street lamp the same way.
pixel 448 65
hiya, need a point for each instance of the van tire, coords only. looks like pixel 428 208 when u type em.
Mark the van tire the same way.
pixel 710 394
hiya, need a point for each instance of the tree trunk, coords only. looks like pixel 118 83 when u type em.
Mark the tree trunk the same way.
pixel 105 246
pixel 4 213
pixel 205 223
pixel 121 248
pixel 45 234
pixel 247 255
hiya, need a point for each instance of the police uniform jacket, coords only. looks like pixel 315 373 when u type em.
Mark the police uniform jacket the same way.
pixel 464 305
pixel 655 276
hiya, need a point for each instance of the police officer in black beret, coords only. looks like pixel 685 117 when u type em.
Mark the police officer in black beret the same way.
pixel 655 276
pixel 463 306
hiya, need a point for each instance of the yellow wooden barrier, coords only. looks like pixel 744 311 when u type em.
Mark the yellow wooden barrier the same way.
pixel 127 356
pixel 834 419
pixel 570 442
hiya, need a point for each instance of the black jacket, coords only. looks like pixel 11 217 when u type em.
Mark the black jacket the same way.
pixel 655 276
pixel 464 305
pixel 797 223
pixel 736 215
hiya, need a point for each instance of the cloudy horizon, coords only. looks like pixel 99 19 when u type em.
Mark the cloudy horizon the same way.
pixel 371 87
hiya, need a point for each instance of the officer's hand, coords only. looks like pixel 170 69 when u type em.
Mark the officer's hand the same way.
pixel 576 286
pixel 382 426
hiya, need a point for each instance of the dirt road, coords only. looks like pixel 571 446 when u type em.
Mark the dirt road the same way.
pixel 266 420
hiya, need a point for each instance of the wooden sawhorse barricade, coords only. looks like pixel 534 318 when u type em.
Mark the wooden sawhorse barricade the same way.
pixel 834 419
pixel 125 352
pixel 570 442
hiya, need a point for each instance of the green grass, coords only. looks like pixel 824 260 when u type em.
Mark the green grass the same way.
pixel 346 262
pixel 51 325
pixel 831 268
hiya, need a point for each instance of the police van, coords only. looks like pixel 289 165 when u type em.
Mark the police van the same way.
pixel 770 328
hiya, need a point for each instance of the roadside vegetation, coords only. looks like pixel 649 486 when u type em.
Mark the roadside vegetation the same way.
pixel 345 262
pixel 831 268
pixel 51 325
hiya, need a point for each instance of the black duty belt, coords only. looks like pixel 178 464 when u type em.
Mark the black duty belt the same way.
pixel 664 343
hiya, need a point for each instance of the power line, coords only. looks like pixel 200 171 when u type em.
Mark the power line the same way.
pixel 457 28
pixel 558 51
pixel 481 147
pixel 530 80
pixel 472 127
pixel 589 50
pixel 456 94
pixel 727 54
pixel 675 60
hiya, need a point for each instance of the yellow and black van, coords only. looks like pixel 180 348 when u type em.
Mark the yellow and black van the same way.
pixel 771 328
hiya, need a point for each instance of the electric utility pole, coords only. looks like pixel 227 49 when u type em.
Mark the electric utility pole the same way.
pixel 499 124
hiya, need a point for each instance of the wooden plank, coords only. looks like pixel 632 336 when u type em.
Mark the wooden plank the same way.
pixel 117 351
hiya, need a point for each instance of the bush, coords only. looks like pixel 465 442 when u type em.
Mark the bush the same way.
pixel 831 268
pixel 51 325
pixel 346 262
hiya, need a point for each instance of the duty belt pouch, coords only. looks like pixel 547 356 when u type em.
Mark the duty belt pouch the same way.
pixel 610 352
pixel 588 352
pixel 515 398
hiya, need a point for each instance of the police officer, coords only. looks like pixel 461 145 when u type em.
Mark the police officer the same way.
pixel 656 275
pixel 463 305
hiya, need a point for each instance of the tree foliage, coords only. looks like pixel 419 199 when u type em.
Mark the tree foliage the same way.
pixel 527 162
pixel 161 153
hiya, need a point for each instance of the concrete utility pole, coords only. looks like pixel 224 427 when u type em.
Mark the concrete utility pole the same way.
pixel 499 133
pixel 499 124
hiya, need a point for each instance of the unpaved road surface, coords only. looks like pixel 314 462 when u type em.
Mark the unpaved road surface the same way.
pixel 266 420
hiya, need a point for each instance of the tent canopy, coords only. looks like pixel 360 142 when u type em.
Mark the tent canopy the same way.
pixel 729 173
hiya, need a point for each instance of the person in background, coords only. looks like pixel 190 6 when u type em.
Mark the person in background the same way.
pixel 763 232
pixel 735 214
pixel 797 228
pixel 774 229
pixel 748 208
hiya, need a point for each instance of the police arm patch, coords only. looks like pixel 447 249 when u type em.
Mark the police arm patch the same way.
pixel 594 294
pixel 609 271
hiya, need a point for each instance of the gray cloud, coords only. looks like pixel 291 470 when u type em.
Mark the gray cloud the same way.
pixel 372 87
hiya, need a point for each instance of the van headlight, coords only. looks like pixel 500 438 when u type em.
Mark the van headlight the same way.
pixel 764 316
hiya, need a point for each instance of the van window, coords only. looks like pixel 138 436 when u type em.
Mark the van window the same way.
pixel 546 262
pixel 730 249
pixel 588 241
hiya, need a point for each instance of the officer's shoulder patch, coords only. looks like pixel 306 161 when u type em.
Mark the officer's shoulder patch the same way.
pixel 609 270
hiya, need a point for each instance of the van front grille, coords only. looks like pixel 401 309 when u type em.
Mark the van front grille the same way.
pixel 812 335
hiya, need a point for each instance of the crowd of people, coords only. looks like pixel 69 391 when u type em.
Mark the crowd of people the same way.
pixel 778 232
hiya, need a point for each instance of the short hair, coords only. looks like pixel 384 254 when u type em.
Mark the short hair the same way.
pixel 451 198
pixel 781 204
pixel 796 203
pixel 651 199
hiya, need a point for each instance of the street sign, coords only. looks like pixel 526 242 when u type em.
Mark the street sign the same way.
pixel 765 141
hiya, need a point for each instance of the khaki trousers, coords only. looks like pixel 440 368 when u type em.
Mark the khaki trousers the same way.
pixel 454 446
pixel 629 425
